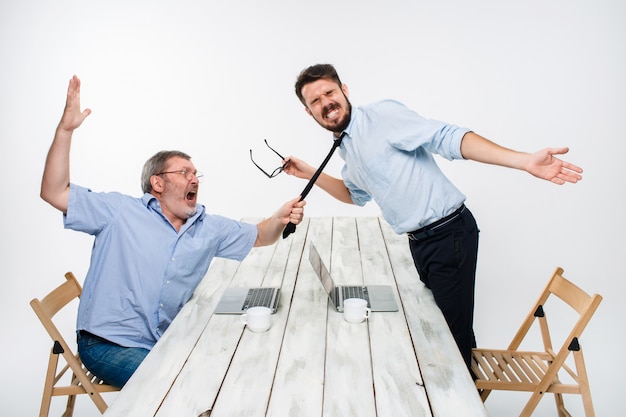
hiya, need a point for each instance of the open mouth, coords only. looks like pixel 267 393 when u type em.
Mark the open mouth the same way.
pixel 191 195
pixel 332 113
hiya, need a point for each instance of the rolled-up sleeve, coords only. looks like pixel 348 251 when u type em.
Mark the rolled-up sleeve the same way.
pixel 411 131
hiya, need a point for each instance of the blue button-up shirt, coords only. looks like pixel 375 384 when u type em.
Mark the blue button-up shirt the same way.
pixel 388 157
pixel 142 270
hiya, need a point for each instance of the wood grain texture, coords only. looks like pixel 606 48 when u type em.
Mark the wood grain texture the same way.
pixel 311 362
pixel 450 389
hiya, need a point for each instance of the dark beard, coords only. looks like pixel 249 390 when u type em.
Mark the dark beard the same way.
pixel 343 124
pixel 345 121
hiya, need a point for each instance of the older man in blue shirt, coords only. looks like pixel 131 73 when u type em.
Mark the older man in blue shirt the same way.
pixel 388 152
pixel 149 253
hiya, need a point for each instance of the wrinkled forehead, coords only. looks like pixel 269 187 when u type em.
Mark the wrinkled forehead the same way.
pixel 178 163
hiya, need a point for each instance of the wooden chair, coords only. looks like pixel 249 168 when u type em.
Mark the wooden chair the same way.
pixel 81 381
pixel 539 372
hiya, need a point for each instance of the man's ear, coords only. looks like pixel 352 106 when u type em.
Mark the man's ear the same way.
pixel 308 111
pixel 157 183
pixel 344 88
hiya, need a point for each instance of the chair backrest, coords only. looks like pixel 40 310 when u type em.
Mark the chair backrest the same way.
pixel 515 369
pixel 558 286
pixel 82 381
pixel 51 304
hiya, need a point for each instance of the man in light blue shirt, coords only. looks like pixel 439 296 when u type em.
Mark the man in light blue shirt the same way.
pixel 388 152
pixel 149 253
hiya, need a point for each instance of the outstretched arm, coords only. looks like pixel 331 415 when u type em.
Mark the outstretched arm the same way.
pixel 55 184
pixel 542 164
pixel 271 228
pixel 333 186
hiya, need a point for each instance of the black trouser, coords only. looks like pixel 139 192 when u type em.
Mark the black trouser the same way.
pixel 445 258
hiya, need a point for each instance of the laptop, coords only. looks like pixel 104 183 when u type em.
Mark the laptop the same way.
pixel 236 300
pixel 379 297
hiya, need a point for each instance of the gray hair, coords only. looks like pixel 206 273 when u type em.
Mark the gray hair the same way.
pixel 158 163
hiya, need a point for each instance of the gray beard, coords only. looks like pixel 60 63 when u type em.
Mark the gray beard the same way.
pixel 190 214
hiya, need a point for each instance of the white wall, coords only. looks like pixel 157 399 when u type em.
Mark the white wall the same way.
pixel 215 79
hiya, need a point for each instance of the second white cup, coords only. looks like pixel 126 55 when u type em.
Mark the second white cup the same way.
pixel 355 310
pixel 258 319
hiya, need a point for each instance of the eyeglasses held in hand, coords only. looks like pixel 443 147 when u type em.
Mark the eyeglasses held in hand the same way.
pixel 277 170
pixel 187 174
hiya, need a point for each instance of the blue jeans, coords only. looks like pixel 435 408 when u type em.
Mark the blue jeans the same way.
pixel 446 263
pixel 112 363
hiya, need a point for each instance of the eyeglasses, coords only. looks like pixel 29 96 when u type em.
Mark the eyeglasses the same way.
pixel 187 174
pixel 277 170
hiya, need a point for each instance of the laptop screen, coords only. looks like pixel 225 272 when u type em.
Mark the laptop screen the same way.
pixel 322 271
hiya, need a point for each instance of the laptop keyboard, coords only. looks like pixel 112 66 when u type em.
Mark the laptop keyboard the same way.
pixel 355 292
pixel 258 297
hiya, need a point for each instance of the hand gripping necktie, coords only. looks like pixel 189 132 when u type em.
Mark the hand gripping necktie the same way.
pixel 290 228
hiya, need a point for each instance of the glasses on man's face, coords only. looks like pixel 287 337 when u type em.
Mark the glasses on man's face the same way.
pixel 185 173
pixel 277 170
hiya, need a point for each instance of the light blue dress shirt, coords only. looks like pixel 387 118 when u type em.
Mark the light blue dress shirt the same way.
pixel 142 270
pixel 388 152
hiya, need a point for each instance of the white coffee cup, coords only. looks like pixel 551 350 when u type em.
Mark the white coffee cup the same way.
pixel 355 310
pixel 257 319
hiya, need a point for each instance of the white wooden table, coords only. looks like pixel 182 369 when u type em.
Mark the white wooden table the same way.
pixel 311 362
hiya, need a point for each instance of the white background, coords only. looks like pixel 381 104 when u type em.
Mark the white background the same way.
pixel 216 78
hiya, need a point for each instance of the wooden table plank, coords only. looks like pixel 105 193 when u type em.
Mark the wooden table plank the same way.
pixel 196 389
pixel 450 388
pixel 393 357
pixel 311 362
pixel 299 383
pixel 348 387
pixel 247 387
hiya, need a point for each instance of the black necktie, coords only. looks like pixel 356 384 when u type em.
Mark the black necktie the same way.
pixel 290 228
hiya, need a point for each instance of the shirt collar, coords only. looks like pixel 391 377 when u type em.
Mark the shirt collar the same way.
pixel 351 126
pixel 147 199
pixel 152 202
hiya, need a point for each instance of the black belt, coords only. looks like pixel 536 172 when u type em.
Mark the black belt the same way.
pixel 429 230
pixel 85 333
